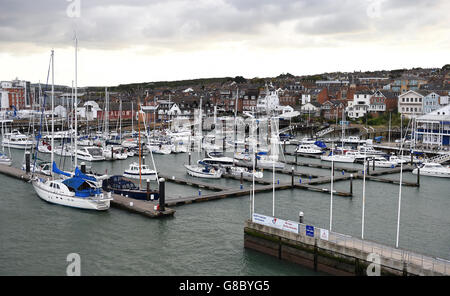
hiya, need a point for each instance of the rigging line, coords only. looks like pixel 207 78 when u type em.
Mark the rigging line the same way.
pixel 42 114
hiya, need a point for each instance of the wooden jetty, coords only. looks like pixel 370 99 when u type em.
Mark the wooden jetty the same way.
pixel 146 208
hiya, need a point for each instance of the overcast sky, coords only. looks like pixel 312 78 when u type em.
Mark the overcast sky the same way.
pixel 153 40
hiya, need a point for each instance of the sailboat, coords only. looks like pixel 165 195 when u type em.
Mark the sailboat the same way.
pixel 76 190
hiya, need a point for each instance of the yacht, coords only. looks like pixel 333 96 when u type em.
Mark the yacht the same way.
pixel 145 172
pixel 117 152
pixel 353 140
pixel 369 150
pixel 308 149
pixel 17 140
pixel 79 191
pixel 5 160
pixel 268 162
pixel 160 148
pixel 338 157
pixel 397 159
pixel 434 170
pixel 44 147
pixel 357 155
pixel 203 170
pixel 125 187
pixel 382 162
pixel 90 153
pixel 221 161
pixel 237 171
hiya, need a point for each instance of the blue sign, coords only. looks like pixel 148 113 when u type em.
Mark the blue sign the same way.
pixel 343 122
pixel 310 230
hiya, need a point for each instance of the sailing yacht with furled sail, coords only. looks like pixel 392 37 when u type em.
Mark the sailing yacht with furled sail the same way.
pixel 75 190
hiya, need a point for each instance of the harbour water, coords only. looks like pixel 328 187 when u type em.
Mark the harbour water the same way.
pixel 206 238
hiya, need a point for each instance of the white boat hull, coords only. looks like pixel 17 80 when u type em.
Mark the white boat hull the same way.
pixel 196 171
pixel 69 200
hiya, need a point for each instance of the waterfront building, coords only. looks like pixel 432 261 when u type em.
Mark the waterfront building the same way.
pixel 434 127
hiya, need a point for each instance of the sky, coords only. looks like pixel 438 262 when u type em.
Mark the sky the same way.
pixel 132 41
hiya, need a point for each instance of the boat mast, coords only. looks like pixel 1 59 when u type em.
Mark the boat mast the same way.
pixel 139 140
pixel 53 108
pixel 76 103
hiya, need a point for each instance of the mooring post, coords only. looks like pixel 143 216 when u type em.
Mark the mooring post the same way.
pixel 162 194
pixel 292 177
pixel 418 176
pixel 189 158
pixel 300 217
pixel 83 167
pixel 242 180
pixel 367 166
pixel 351 184
pixel 112 152
pixel 412 161
pixel 27 162
pixel 373 165
pixel 256 160
pixel 148 189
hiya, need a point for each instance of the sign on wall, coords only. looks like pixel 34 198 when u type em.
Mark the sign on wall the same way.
pixel 276 223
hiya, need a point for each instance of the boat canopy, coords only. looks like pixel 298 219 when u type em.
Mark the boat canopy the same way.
pixel 320 144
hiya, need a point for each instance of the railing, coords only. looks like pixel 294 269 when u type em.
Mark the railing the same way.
pixel 419 261
pixel 325 131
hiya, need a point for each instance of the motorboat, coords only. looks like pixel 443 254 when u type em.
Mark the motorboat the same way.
pixel 382 162
pixel 369 150
pixel 90 153
pixel 308 149
pixel 433 169
pixel 352 140
pixel 114 152
pixel 44 147
pixel 203 170
pixel 140 172
pixel 338 158
pixel 17 140
pixel 357 155
pixel 123 186
pixel 42 168
pixel 218 160
pixel 5 160
pixel 245 172
pixel 397 159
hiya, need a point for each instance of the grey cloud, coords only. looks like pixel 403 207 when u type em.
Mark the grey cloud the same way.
pixel 119 23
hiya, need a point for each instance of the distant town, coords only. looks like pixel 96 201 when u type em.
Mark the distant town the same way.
pixel 365 97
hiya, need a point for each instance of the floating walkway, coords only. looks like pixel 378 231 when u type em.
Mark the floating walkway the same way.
pixel 146 208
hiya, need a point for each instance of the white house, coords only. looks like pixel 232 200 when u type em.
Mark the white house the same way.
pixel 60 111
pixel 360 104
pixel 312 108
pixel 90 110
pixel 410 103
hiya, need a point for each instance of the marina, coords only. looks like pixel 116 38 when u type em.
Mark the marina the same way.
pixel 154 156
pixel 293 181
